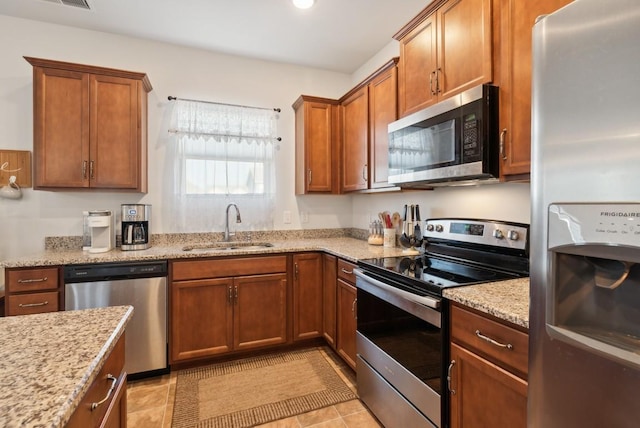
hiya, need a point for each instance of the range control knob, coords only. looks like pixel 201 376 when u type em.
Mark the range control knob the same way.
pixel 439 228
pixel 429 228
pixel 513 235
pixel 498 234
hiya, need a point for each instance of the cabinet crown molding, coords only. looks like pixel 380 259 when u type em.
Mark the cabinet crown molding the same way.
pixel 83 68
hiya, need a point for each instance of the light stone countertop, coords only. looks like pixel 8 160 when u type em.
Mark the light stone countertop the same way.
pixel 348 248
pixel 48 361
pixel 507 300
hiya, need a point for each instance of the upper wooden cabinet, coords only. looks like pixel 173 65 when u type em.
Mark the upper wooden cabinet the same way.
pixel 90 127
pixel 444 51
pixel 516 24
pixel 316 133
pixel 367 110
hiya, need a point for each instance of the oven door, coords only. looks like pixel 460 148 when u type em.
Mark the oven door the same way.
pixel 401 352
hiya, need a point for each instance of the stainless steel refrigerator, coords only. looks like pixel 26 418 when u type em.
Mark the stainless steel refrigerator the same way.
pixel 584 364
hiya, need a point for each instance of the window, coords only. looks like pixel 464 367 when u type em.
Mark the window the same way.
pixel 222 154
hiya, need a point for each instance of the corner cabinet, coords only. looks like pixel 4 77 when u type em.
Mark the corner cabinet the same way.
pixel 346 313
pixel 444 51
pixel 224 305
pixel 317 124
pixel 90 127
pixel 516 24
pixel 367 111
pixel 487 373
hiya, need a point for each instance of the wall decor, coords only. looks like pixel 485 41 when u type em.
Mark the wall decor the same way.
pixel 16 163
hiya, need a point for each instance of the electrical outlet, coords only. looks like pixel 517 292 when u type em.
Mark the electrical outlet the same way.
pixel 286 217
pixel 304 217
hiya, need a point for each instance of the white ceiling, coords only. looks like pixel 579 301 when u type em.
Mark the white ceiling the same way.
pixel 338 35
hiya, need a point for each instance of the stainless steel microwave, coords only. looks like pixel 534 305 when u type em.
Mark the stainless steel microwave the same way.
pixel 453 141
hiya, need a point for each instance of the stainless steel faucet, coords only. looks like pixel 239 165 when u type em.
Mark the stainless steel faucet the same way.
pixel 227 235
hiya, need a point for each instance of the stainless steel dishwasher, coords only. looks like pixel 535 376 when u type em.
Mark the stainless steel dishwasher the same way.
pixel 142 285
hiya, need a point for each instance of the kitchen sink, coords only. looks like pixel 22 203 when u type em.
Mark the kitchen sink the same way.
pixel 222 246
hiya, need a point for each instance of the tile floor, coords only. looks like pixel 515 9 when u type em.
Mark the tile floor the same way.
pixel 150 405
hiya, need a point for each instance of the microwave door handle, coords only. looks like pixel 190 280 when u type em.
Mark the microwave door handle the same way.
pixel 423 300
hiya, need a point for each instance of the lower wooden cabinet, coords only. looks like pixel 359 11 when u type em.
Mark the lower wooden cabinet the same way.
pixel 346 344
pixel 307 296
pixel 246 308
pixel 105 403
pixel 32 291
pixel 487 373
pixel 329 295
pixel 346 313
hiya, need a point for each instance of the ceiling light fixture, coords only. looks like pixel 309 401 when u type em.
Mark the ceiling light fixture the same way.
pixel 303 4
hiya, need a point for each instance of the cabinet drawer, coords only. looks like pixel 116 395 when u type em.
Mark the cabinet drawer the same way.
pixel 499 343
pixel 345 271
pixel 101 389
pixel 220 268
pixel 32 303
pixel 32 279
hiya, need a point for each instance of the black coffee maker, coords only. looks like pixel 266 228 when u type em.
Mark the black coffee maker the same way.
pixel 136 219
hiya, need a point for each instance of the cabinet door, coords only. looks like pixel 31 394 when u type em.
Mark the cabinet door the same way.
pixel 314 146
pixel 464 45
pixel 260 311
pixel 485 395
pixel 329 290
pixel 355 140
pixel 417 67
pixel 347 322
pixel 61 128
pixel 517 19
pixel 307 296
pixel 383 109
pixel 201 318
pixel 115 140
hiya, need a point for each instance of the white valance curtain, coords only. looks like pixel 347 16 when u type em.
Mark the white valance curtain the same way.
pixel 222 154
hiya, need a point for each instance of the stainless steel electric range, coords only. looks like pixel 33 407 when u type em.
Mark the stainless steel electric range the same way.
pixel 402 318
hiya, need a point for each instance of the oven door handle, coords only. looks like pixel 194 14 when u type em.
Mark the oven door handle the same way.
pixel 423 300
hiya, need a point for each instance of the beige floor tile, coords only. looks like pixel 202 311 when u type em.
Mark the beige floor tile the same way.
pixel 361 419
pixel 151 381
pixel 147 397
pixel 148 418
pixel 317 416
pixel 291 422
pixel 349 407
pixel 334 423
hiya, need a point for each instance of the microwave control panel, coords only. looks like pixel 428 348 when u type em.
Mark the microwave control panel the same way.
pixel 471 148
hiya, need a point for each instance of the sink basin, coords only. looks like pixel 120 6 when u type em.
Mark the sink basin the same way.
pixel 222 246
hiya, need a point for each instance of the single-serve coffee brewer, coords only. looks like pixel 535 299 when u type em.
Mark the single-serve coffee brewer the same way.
pixel 98 234
pixel 136 222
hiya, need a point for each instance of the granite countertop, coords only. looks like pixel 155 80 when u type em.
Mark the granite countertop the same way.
pixel 48 361
pixel 507 300
pixel 348 248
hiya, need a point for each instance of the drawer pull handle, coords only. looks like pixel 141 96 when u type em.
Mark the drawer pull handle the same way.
pixel 451 364
pixel 31 305
pixel 493 342
pixel 348 272
pixel 113 380
pixel 29 281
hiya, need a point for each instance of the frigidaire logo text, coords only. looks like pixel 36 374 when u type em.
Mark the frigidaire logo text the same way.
pixel 618 214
